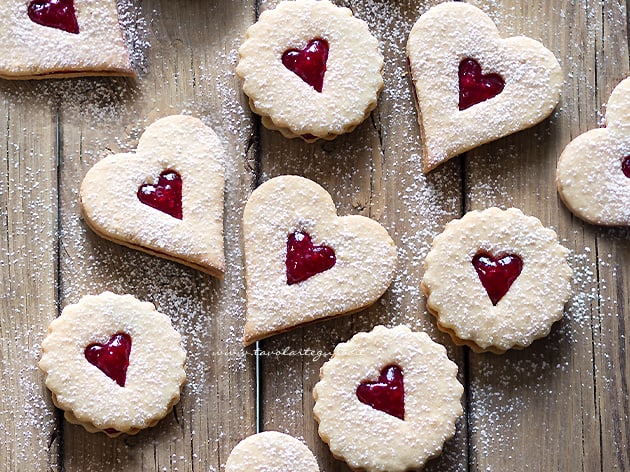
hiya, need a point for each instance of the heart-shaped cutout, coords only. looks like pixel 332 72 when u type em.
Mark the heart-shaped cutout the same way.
pixel 57 14
pixel 165 195
pixel 475 87
pixel 364 258
pixel 440 44
pixel 497 274
pixel 593 175
pixel 271 451
pixel 309 63
pixel 304 259
pixel 112 358
pixel 387 393
pixel 180 218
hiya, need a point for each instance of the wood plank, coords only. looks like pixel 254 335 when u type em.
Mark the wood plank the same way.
pixel 190 65
pixel 374 171
pixel 547 394
pixel 29 438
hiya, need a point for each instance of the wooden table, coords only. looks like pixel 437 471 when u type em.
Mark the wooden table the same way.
pixel 562 404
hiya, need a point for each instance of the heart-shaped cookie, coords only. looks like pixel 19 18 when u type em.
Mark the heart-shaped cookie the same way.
pixel 593 174
pixel 388 368
pixel 167 198
pixel 363 267
pixel 461 107
pixel 271 451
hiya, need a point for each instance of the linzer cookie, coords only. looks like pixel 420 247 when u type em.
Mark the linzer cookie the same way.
pixel 61 38
pixel 310 69
pixel 593 173
pixel 113 364
pixel 471 85
pixel 167 198
pixel 496 280
pixel 387 400
pixel 303 262
pixel 271 451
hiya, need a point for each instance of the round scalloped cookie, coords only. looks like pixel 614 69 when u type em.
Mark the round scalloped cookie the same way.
pixel 387 400
pixel 113 363
pixel 351 65
pixel 496 279
pixel 271 451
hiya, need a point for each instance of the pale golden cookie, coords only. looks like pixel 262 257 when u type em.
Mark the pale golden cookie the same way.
pixel 167 198
pixel 310 69
pixel 593 175
pixel 304 263
pixel 387 400
pixel 62 38
pixel 496 280
pixel 113 364
pixel 271 451
pixel 458 61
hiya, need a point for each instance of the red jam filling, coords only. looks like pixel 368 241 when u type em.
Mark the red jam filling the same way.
pixel 112 358
pixel 57 14
pixel 166 195
pixel 387 393
pixel 475 87
pixel 309 63
pixel 304 259
pixel 625 166
pixel 497 274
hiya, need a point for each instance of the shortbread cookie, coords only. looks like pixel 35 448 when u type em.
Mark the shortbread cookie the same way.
pixel 61 38
pixel 593 174
pixel 271 451
pixel 310 69
pixel 471 85
pixel 113 364
pixel 303 262
pixel 167 198
pixel 496 280
pixel 387 400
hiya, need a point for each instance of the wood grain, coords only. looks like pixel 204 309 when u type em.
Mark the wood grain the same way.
pixel 561 404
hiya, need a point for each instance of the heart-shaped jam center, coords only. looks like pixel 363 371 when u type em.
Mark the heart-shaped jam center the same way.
pixel 309 63
pixel 497 274
pixel 57 14
pixel 112 358
pixel 387 393
pixel 166 195
pixel 474 87
pixel 625 166
pixel 304 259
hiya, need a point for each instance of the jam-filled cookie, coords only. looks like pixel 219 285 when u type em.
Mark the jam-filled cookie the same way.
pixel 167 198
pixel 496 279
pixel 271 451
pixel 113 364
pixel 303 262
pixel 593 173
pixel 61 38
pixel 471 85
pixel 387 400
pixel 310 69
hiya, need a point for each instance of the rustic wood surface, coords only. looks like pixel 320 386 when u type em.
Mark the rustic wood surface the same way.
pixel 561 404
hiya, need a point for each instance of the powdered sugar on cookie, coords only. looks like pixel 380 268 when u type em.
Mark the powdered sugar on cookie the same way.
pixel 93 390
pixel 496 279
pixel 303 262
pixel 310 69
pixel 593 174
pixel 452 122
pixel 364 435
pixel 44 39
